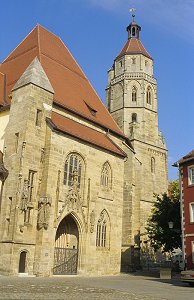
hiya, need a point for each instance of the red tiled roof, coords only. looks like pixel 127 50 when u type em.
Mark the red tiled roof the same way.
pixel 133 46
pixel 72 88
pixel 85 133
pixel 188 157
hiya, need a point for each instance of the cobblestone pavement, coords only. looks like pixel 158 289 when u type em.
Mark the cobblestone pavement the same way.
pixel 124 287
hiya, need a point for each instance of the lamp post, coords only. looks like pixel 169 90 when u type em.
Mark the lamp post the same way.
pixel 171 227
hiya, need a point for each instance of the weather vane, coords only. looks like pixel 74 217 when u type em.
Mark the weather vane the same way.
pixel 132 11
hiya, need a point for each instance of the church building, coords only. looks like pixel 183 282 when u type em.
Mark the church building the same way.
pixel 77 179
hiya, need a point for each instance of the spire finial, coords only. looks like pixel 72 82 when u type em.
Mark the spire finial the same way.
pixel 132 11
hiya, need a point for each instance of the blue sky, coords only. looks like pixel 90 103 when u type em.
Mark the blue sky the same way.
pixel 95 31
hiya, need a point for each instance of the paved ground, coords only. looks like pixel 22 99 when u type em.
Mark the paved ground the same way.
pixel 122 287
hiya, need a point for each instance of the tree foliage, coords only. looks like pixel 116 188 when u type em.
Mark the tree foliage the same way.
pixel 166 209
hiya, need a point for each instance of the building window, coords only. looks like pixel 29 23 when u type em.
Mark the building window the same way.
pixel 38 117
pixel 29 200
pixel 134 117
pixel 120 63
pixel 26 204
pixel 73 164
pixel 134 94
pixel 152 164
pixel 103 228
pixel 149 95
pixel 191 175
pixel 106 176
pixel 191 207
pixel 192 249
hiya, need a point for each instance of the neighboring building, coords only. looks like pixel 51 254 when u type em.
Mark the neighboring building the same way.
pixel 186 171
pixel 79 188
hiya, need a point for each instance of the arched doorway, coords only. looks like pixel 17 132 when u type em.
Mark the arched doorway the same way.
pixel 22 262
pixel 66 247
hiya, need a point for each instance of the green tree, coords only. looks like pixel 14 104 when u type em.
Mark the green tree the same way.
pixel 166 209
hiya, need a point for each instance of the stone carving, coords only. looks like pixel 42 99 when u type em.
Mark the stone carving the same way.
pixel 92 221
pixel 43 212
pixel 42 156
pixel 73 200
pixel 25 203
pixel 3 171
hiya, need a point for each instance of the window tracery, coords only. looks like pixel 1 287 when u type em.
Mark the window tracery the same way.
pixel 149 95
pixel 103 230
pixel 74 162
pixel 134 94
pixel 106 176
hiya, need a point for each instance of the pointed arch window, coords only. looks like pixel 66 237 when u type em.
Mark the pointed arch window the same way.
pixel 74 162
pixel 153 162
pixel 103 230
pixel 149 95
pixel 134 94
pixel 106 176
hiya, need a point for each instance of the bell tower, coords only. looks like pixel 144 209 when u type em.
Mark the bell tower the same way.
pixel 131 97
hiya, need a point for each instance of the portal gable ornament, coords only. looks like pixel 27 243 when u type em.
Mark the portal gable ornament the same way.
pixel 73 202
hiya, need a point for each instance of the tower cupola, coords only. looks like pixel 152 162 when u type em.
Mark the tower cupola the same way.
pixel 133 30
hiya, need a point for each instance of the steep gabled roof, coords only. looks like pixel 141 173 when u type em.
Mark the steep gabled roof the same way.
pixel 134 46
pixel 72 89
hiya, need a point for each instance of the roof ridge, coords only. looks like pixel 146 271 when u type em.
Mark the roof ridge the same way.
pixel 18 55
pixel 20 43
pixel 144 48
pixel 38 37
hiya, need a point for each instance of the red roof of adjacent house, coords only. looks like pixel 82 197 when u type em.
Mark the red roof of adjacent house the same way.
pixel 188 157
pixel 85 133
pixel 134 46
pixel 72 88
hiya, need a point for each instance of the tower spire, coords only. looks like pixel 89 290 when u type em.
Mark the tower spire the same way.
pixel 132 11
pixel 133 29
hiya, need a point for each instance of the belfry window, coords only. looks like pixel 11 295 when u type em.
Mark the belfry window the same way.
pixel 134 117
pixel 106 176
pixel 149 95
pixel 73 163
pixel 103 228
pixel 133 31
pixel 134 94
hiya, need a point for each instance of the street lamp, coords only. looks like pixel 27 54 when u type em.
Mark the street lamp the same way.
pixel 170 225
